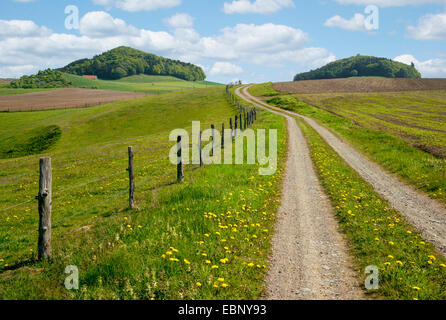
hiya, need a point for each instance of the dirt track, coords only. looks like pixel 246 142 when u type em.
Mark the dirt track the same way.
pixel 425 214
pixel 360 85
pixel 63 98
pixel 310 259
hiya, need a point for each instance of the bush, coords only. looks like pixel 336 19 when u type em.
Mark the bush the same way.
pixel 43 79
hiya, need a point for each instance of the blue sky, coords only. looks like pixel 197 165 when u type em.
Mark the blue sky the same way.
pixel 251 40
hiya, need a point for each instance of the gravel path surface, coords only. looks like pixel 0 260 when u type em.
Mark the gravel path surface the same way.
pixel 424 213
pixel 310 257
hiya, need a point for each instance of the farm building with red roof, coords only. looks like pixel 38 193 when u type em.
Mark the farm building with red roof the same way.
pixel 91 77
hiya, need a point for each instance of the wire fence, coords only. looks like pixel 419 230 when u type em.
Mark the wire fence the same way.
pixel 46 175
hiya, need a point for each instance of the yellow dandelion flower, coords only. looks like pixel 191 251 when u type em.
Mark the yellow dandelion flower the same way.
pixel 225 285
pixel 198 284
pixel 214 267
pixel 416 288
pixel 221 279
pixel 186 261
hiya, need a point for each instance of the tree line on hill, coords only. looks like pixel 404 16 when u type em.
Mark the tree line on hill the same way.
pixel 124 62
pixel 43 79
pixel 361 66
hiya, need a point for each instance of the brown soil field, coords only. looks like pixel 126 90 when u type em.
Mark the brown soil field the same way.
pixel 63 98
pixel 3 81
pixel 360 85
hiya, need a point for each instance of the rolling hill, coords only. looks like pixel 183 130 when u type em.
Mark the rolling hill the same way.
pixel 361 66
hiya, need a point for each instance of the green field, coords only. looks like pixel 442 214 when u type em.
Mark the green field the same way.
pixel 419 117
pixel 10 91
pixel 386 143
pixel 140 83
pixel 207 238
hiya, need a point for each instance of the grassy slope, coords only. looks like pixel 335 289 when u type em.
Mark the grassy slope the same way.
pixel 4 91
pixel 419 168
pixel 409 268
pixel 120 253
pixel 139 83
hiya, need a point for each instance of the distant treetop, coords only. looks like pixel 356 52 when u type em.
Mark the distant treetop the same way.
pixel 125 61
pixel 361 66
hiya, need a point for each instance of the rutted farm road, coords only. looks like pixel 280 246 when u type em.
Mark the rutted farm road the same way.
pixel 306 231
pixel 310 259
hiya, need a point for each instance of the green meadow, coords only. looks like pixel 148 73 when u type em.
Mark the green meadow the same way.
pixel 139 83
pixel 206 238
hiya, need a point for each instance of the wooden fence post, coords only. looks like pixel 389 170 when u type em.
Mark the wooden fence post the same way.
pixel 180 175
pixel 213 139
pixel 131 171
pixel 44 197
pixel 200 149
pixel 223 135
pixel 236 125
pixel 232 128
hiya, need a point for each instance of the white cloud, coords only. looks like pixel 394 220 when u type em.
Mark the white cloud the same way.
pixel 430 27
pixel 357 23
pixel 433 68
pixel 139 5
pixel 267 45
pixel 390 3
pixel 99 24
pixel 256 6
pixel 225 68
pixel 180 20
pixel 21 28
